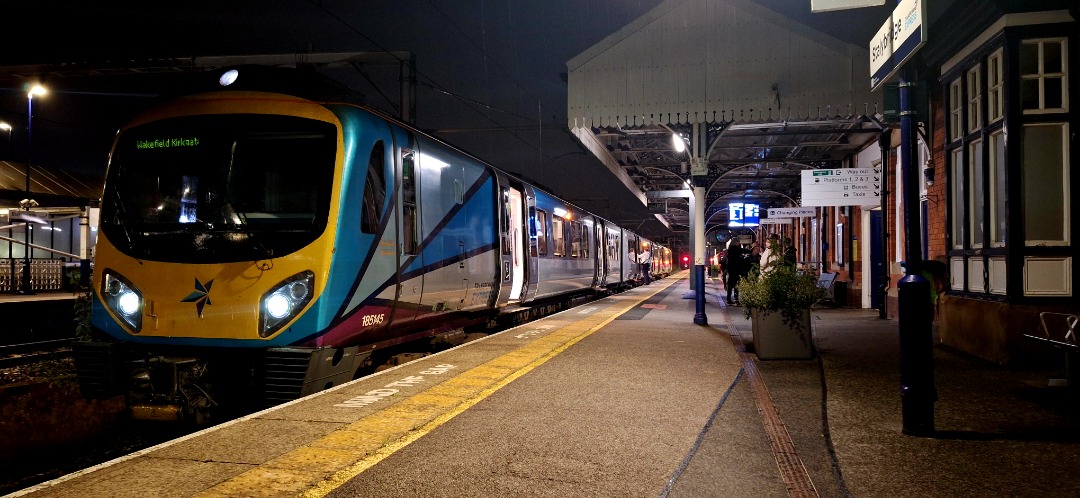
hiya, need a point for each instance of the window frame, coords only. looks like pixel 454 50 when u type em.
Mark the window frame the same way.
pixel 976 204
pixel 995 86
pixel 1066 208
pixel 956 110
pixel 1042 76
pixel 973 79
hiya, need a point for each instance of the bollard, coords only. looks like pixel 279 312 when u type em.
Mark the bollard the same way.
pixel 699 279
pixel 917 392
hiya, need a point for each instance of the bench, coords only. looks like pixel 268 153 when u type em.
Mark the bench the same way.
pixel 1058 331
pixel 827 281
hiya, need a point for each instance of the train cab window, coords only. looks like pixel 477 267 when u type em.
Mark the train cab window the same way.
pixel 541 232
pixel 374 192
pixel 557 239
pixel 220 188
pixel 408 202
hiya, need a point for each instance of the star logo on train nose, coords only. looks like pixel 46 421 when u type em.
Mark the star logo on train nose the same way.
pixel 201 296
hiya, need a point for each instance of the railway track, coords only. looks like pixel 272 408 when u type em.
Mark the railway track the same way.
pixel 14 355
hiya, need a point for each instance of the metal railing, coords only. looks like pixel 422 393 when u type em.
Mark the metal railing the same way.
pixel 45 274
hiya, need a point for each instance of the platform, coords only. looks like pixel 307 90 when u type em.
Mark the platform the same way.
pixel 626 397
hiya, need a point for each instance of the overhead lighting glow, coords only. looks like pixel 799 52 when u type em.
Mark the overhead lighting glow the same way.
pixel 36 90
pixel 228 77
pixel 678 142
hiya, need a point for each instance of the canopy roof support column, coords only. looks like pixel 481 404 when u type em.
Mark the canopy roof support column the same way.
pixel 699 171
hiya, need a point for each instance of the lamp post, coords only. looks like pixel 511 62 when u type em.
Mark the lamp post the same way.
pixel 27 203
pixel 4 126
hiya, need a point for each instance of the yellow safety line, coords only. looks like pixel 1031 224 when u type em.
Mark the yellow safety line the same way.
pixel 293 471
pixel 341 477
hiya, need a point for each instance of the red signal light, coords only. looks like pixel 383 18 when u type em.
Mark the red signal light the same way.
pixel 685 259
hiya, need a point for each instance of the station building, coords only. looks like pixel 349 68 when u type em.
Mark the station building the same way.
pixel 759 99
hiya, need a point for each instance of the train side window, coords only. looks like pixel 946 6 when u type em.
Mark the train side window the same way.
pixel 541 232
pixel 587 235
pixel 575 239
pixel 557 238
pixel 374 192
pixel 408 202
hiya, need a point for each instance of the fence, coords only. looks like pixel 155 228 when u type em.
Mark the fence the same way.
pixel 45 275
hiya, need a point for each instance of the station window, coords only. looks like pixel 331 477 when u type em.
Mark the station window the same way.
pixel 995 88
pixel 974 99
pixel 956 110
pixel 957 193
pixel 1043 72
pixel 1046 184
pixel 976 201
pixel 999 188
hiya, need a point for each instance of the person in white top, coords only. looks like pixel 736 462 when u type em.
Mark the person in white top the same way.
pixel 645 260
pixel 770 257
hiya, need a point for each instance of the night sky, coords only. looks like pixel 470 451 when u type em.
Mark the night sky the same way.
pixel 490 72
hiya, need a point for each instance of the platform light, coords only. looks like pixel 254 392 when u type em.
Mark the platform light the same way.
pixel 4 126
pixel 27 285
pixel 228 77
pixel 678 142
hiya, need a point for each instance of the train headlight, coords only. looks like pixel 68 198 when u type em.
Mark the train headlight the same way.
pixel 282 303
pixel 123 298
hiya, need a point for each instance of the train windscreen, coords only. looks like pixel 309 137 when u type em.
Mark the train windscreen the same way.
pixel 219 188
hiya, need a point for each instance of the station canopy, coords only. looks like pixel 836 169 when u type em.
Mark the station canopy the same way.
pixel 762 96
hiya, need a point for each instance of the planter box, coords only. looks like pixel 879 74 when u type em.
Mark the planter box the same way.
pixel 775 340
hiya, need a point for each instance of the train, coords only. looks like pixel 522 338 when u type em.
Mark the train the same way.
pixel 260 241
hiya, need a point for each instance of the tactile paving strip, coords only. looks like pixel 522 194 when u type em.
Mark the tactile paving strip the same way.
pixel 792 471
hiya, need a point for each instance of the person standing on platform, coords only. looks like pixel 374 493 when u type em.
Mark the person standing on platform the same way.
pixel 645 260
pixel 738 266
pixel 789 252
pixel 770 257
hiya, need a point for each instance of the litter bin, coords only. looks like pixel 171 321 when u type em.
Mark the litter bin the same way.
pixel 839 291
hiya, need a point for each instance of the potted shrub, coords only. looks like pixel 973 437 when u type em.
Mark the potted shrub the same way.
pixel 778 305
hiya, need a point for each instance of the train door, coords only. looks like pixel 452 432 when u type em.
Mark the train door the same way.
pixel 599 249
pixel 631 257
pixel 410 288
pixel 511 235
pixel 533 233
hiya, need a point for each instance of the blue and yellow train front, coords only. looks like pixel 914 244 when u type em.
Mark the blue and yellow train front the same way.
pixel 215 246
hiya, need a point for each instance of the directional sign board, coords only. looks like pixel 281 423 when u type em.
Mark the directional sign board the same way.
pixel 841 187
pixel 775 221
pixel 796 212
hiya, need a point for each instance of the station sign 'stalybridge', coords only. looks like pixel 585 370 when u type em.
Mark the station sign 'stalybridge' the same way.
pixel 841 187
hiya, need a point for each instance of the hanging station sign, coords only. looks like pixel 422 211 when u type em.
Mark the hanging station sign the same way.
pixel 903 34
pixel 795 212
pixel 841 187
pixel 831 5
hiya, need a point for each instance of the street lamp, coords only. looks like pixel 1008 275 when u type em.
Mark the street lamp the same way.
pixel 27 203
pixel 6 127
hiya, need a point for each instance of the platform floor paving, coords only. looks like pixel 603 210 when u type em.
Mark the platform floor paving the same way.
pixel 627 397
